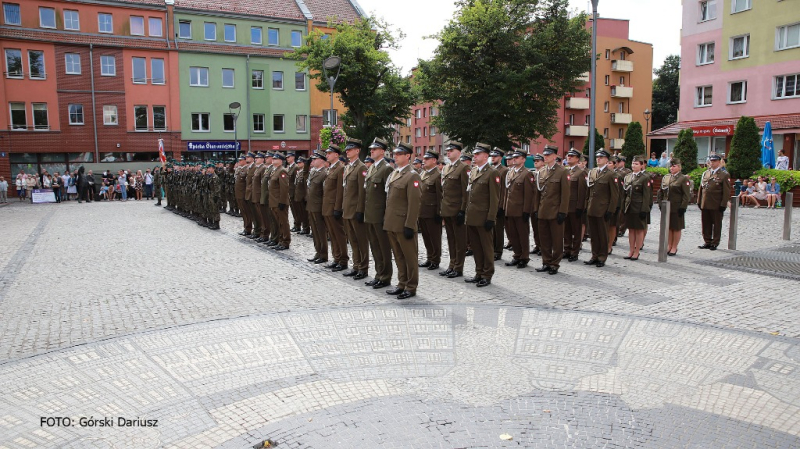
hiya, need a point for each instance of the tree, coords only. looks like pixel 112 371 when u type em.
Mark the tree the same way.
pixel 686 150
pixel 745 156
pixel 372 89
pixel 599 142
pixel 501 68
pixel 666 98
pixel 634 143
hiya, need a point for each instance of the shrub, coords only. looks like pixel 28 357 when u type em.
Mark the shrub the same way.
pixel 686 150
pixel 744 158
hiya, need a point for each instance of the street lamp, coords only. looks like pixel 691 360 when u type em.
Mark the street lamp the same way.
pixel 328 66
pixel 235 105
pixel 593 85
pixel 646 128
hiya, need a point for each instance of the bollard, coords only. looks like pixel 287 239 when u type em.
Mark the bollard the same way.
pixel 787 216
pixel 734 229
pixel 663 234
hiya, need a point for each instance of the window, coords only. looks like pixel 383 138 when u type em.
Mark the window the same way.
pixel 622 55
pixel 258 79
pixel 137 25
pixel 708 10
pixel 433 131
pixel 105 23
pixel 71 20
pixel 277 80
pixel 75 114
pixel 605 133
pixel 198 76
pixel 228 123
pixel 273 36
pixel 200 122
pixel 185 29
pixel 36 64
pixel 11 14
pixel 299 81
pixel 140 117
pixel 737 92
pixel 277 123
pixel 740 5
pixel 787 86
pixel 740 47
pixel 73 63
pixel 329 117
pixel 230 32
pixel 47 17
pixel 621 133
pixel 788 36
pixel 605 107
pixel 210 31
pixel 13 63
pixel 19 120
pixel 159 118
pixel 705 53
pixel 703 96
pixel 157 71
pixel 110 115
pixel 608 53
pixel 425 131
pixel 419 113
pixel 408 139
pixel 424 112
pixel 108 66
pixel 621 107
pixel 572 119
pixel 586 119
pixel 417 132
pixel 258 123
pixel 155 27
pixel 607 79
pixel 256 35
pixel 139 70
pixel 297 39
pixel 227 78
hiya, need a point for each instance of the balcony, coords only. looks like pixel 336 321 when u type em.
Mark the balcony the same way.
pixel 619 65
pixel 616 144
pixel 577 103
pixel 621 92
pixel 621 119
pixel 577 130
pixel 585 77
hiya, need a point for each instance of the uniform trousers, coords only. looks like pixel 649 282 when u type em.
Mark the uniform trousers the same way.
pixel 499 235
pixel 456 243
pixel 338 240
pixel 552 242
pixel 246 217
pixel 295 213
pixel 359 243
pixel 274 228
pixel 405 256
pixel 598 233
pixel 535 229
pixel 712 226
pixel 519 231
pixel 432 238
pixel 381 251
pixel 299 214
pixel 264 213
pixel 483 251
pixel 320 235
pixel 258 225
pixel 282 219
pixel 572 234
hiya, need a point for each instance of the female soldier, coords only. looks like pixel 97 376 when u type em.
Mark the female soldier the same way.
pixel 675 188
pixel 638 199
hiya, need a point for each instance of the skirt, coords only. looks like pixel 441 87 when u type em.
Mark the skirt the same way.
pixel 632 221
pixel 676 222
pixel 72 189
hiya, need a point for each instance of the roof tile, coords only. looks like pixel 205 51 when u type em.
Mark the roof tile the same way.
pixel 786 121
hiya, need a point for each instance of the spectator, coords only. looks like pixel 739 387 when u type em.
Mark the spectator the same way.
pixel 138 185
pixel 104 192
pixel 122 184
pixel 782 162
pixel 653 162
pixel 90 185
pixel 64 186
pixel 81 185
pixel 46 180
pixel 56 186
pixel 72 188
pixel 148 185
pixel 773 193
pixel 33 183
pixel 22 185
pixel 3 190
pixel 748 188
pixel 108 178
pixel 664 161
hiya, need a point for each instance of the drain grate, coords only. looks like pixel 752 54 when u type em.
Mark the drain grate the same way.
pixel 795 249
pixel 781 262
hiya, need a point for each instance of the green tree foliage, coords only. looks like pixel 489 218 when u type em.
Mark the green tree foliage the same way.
pixel 599 142
pixel 501 68
pixel 745 156
pixel 372 89
pixel 666 93
pixel 634 143
pixel 686 150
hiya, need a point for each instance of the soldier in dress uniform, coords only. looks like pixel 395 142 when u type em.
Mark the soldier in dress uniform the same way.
pixel 332 208
pixel 622 172
pixel 638 199
pixel 291 170
pixel 538 163
pixel 214 195
pixel 400 222
pixel 279 200
pixel 248 213
pixel 418 165
pixel 316 177
pixel 455 179
pixel 483 188
pixel 260 227
pixel 675 188
pixel 715 192
pixel 430 222
pixel 578 199
pixel 551 210
pixel 300 189
pixel 498 232
pixel 466 158
pixel 518 205
pixel 353 209
pixel 374 212
pixel 603 200
pixel 368 161
pixel 267 236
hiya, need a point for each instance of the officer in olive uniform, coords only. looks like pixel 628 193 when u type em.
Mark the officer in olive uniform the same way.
pixel 400 222
pixel 316 178
pixel 291 169
pixel 260 226
pixel 279 200
pixel 677 189
pixel 538 163
pixel 455 179
pixel 553 187
pixel 353 209
pixel 622 172
pixel 500 226
pixel 430 222
pixel 157 183
pixel 272 163
pixel 374 212
pixel 603 200
pixel 638 190
pixel 518 205
pixel 715 192
pixel 248 211
pixel 300 189
pixel 483 203
pixel 578 200
pixel 333 195
pixel 213 187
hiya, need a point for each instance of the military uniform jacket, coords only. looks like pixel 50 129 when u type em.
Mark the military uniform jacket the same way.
pixel 299 186
pixel 353 184
pixel 240 183
pixel 250 170
pixel 715 189
pixel 292 172
pixel 455 178
pixel 578 188
pixel 333 191
pixel 314 192
pixel 214 188
pixel 638 193
pixel 603 192
pixel 375 191
pixel 263 187
pixel 279 187
pixel 484 199
pixel 621 173
pixel 258 188
pixel 402 200
pixel 519 186
pixel 502 170
pixel 431 201
pixel 553 187
pixel 676 189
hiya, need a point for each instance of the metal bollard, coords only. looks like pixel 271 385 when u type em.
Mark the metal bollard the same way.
pixel 663 234
pixel 787 216
pixel 734 229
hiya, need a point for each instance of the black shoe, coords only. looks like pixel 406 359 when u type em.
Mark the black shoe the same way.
pixel 350 273
pixel 498 257
pixel 553 270
pixel 271 243
pixel 627 257
pixel 508 246
pixel 672 254
pixel 380 284
pixel 252 236
pixel 332 265
pixel 614 243
pixel 425 264
pixel 472 280
pixel 280 248
pixel 261 240
pixel 704 246
pixel 445 272
pixel 295 229
pixel 338 268
pixel 371 283
pixel 406 294
pixel 243 233
pixel 319 261
pixel 513 263
pixel 394 291
pixel 713 247
pixel 522 264
pixel 433 266
pixel 304 232
pixel 590 262
pixel 484 283
pixel 572 258
pixel 313 259
pixel 600 264
pixel 469 252
pixel 359 276
pixel 536 251
pixel 455 274
pixel 543 269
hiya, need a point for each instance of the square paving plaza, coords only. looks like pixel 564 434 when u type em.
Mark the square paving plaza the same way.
pixel 125 325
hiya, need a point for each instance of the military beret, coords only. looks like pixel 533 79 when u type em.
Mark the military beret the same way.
pixel 602 153
pixel 333 148
pixel 481 148
pixel 379 143
pixel 549 149
pixel 352 143
pixel 454 145
pixel 403 148
pixel 279 155
pixel 573 152
pixel 369 159
pixel 430 154
pixel 538 157
pixel 250 154
pixel 714 157
pixel 497 152
pixel 674 161
pixel 466 156
pixel 260 155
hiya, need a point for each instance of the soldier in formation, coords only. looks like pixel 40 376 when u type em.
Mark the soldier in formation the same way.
pixel 715 192
pixel 675 188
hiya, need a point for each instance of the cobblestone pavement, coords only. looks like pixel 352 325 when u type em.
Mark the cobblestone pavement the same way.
pixel 112 310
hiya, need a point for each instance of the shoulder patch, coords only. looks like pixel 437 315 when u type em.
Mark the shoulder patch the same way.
pixel 569 178
pixel 416 183
pixel 616 180
pixel 364 173
pixel 283 175
pixel 497 179
pixel 687 183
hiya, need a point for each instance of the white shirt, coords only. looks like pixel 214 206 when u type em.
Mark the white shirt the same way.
pixel 782 163
pixel 148 178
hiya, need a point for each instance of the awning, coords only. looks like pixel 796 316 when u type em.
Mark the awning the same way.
pixel 781 124
pixel 628 50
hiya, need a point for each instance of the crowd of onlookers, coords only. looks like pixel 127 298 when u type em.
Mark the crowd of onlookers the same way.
pixel 781 162
pixel 760 193
pixel 79 186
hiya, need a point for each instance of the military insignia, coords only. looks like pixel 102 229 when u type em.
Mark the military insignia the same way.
pixel 497 179
pixel 687 183
pixel 616 180
pixel 283 175
pixel 569 177
pixel 364 173
pixel 416 183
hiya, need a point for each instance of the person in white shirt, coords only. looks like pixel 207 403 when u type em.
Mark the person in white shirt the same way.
pixel 148 185
pixel 782 162
pixel 3 190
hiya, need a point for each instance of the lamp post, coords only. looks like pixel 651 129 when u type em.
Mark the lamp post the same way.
pixel 593 85
pixel 235 105
pixel 646 129
pixel 328 66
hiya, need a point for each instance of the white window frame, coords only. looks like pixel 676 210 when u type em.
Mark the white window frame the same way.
pixel 269 42
pixel 702 53
pixel 225 32
pixel 297 121
pixel 233 120
pixel 710 7
pixel 253 79
pixel 744 92
pixel 53 11
pixel 133 70
pixel 146 120
pixel 153 79
pixel 138 18
pixel 154 118
pixel 184 22
pixel 22 126
pixel 67 64
pixel 21 66
pixel 72 20
pixel 200 121
pixel 304 88
pixel 69 114
pixel 607 80
pixel 283 119
pixel 273 80
pixel 783 78
pixel 233 78
pixel 329 115
pixel 108 113
pixel 19 15
pixel 100 16
pixel 256 118
pixel 30 71
pixel 782 34
pixel 605 106
pixel 746 54
pixel 103 65
pixel 748 6
pixel 150 21
pixel 296 33
pixel 432 131
pixel 697 96
pixel 205 31
pixel 200 70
